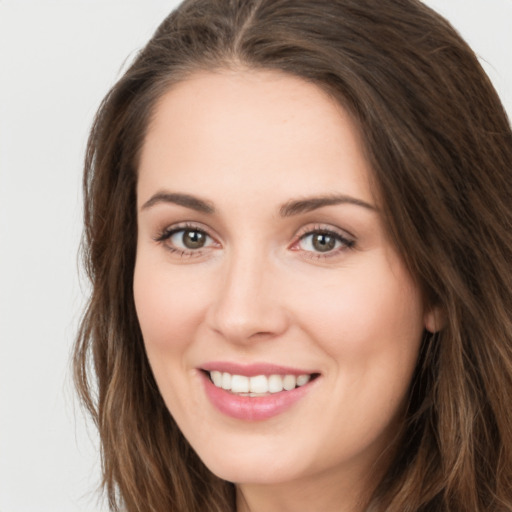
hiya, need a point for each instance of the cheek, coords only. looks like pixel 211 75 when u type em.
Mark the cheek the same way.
pixel 370 323
pixel 169 311
pixel 166 305
pixel 366 311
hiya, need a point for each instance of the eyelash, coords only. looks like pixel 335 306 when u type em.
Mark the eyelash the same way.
pixel 167 233
pixel 345 242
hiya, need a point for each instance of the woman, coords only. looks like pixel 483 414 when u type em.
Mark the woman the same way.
pixel 298 230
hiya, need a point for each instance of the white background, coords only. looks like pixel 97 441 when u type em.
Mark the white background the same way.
pixel 57 60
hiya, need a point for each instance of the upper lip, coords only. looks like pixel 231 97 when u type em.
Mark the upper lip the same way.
pixel 253 369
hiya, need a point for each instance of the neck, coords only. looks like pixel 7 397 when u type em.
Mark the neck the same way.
pixel 347 488
pixel 322 493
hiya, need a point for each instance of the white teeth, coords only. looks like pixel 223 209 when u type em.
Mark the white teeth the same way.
pixel 275 383
pixel 303 379
pixel 239 384
pixel 260 384
pixel 226 381
pixel 289 382
pixel 216 378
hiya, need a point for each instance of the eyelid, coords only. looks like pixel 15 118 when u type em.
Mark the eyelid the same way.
pixel 170 229
pixel 165 234
pixel 347 240
pixel 324 228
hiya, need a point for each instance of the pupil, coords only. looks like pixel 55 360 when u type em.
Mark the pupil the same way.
pixel 193 239
pixel 324 243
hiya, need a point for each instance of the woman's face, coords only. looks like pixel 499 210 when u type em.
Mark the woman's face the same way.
pixel 263 262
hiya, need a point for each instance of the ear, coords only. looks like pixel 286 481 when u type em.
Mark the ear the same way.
pixel 434 319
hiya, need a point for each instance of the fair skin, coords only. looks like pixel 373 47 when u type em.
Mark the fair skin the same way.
pixel 228 271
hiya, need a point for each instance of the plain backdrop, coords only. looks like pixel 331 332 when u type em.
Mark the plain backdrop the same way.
pixel 57 60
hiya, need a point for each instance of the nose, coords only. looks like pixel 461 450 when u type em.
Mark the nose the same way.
pixel 249 303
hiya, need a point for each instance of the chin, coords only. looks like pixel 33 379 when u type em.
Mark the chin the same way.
pixel 262 461
pixel 239 472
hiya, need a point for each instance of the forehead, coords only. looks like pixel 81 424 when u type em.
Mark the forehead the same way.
pixel 257 131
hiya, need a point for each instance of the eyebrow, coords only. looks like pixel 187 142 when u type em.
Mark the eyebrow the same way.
pixel 305 205
pixel 288 209
pixel 186 200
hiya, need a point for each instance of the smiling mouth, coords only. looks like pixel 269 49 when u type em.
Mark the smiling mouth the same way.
pixel 258 385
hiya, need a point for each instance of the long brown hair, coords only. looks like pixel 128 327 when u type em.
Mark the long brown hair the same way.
pixel 440 147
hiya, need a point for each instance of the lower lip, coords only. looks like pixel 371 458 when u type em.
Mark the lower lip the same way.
pixel 255 408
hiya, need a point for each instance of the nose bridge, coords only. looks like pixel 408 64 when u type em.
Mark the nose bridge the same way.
pixel 247 302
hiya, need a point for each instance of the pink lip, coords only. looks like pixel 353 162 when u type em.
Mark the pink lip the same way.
pixel 253 408
pixel 251 370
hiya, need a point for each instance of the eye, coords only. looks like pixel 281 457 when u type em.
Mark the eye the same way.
pixel 185 240
pixel 323 242
pixel 320 242
pixel 189 239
